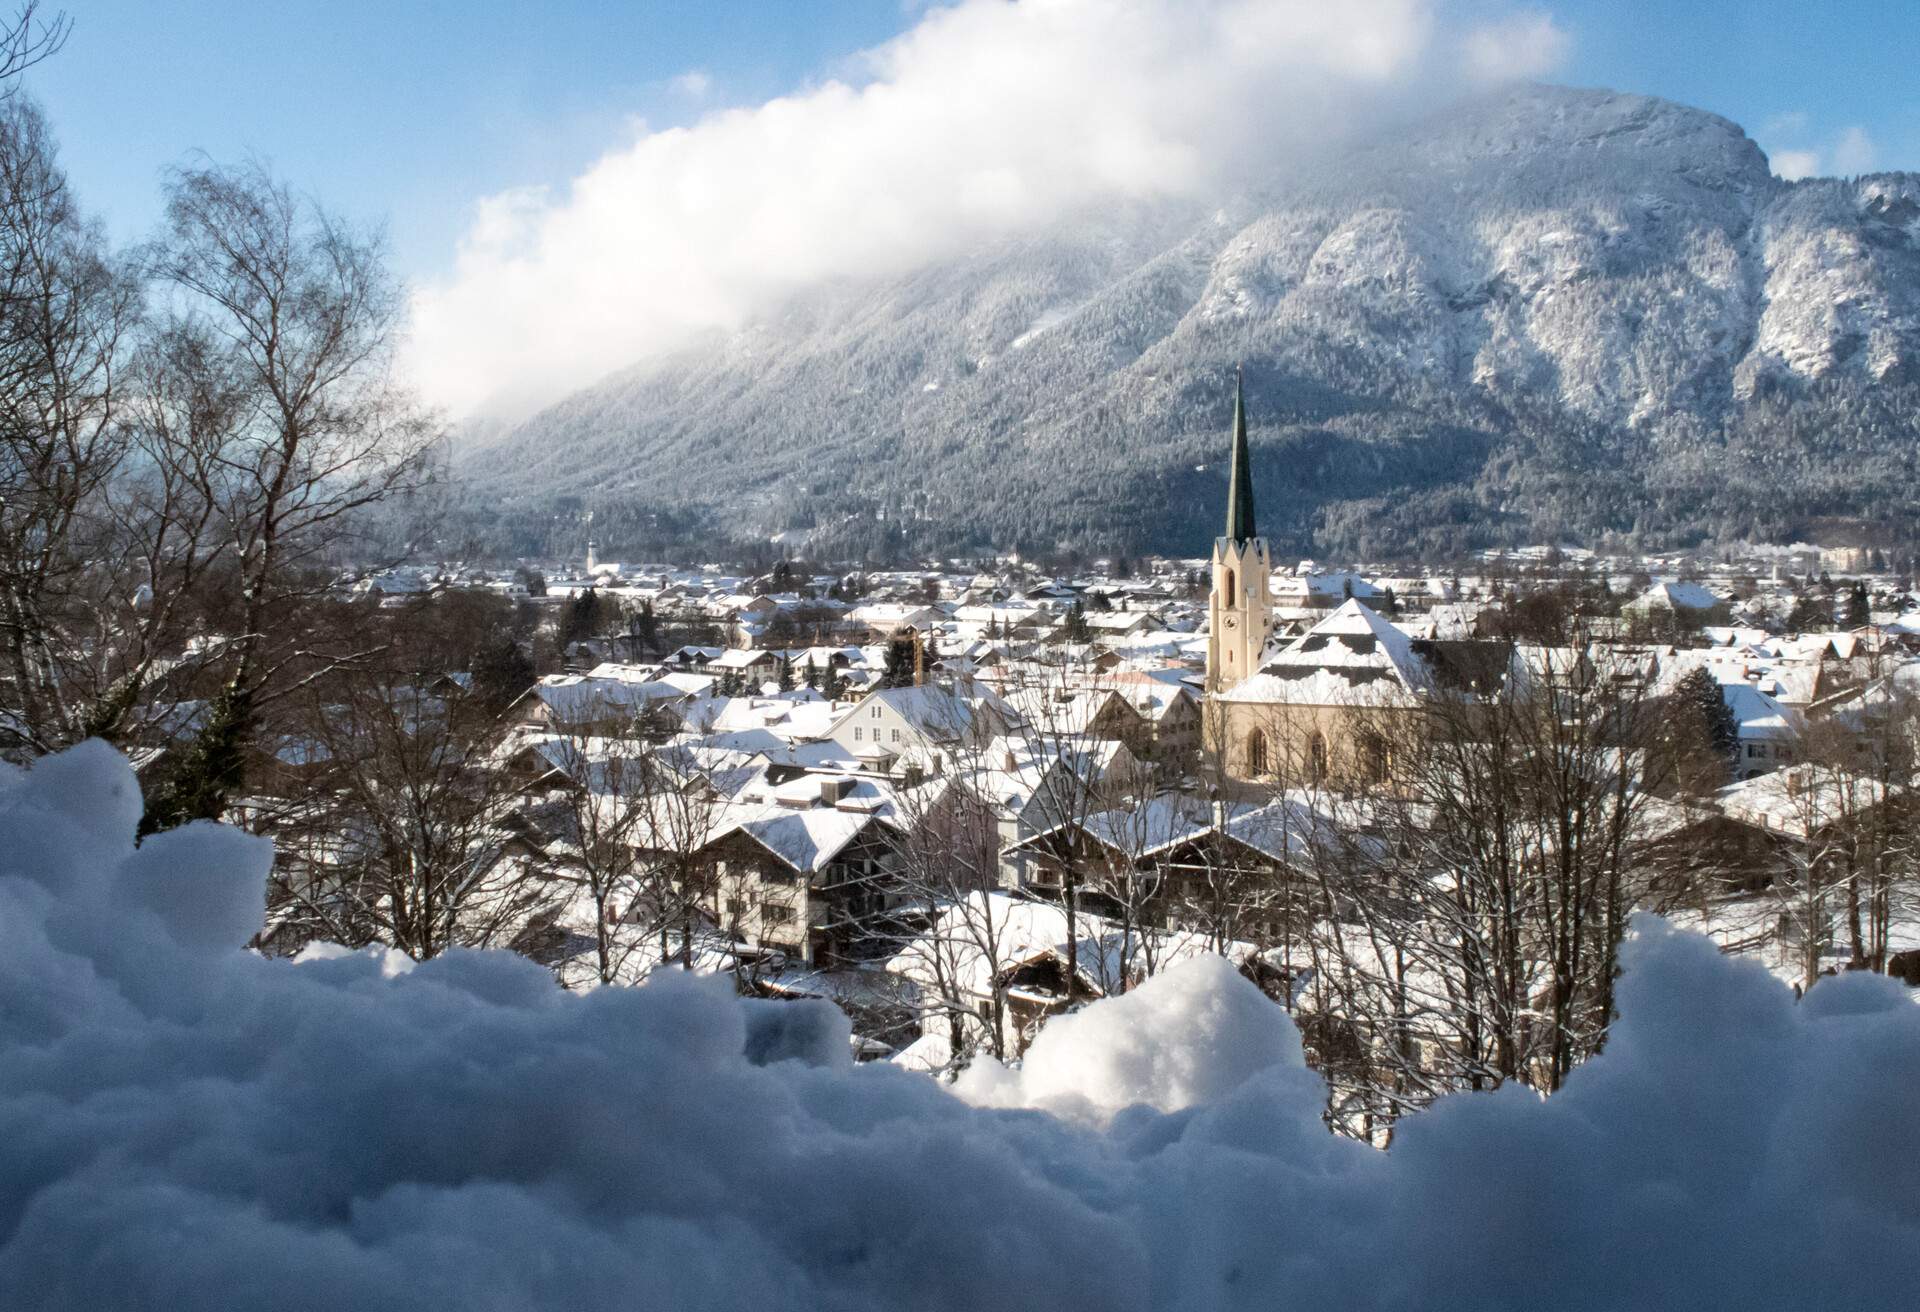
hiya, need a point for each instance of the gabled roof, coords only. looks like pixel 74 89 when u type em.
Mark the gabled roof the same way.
pixel 574 697
pixel 1801 800
pixel 1668 595
pixel 935 711
pixel 1340 659
pixel 805 840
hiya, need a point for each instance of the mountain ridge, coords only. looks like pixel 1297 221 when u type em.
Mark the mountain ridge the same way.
pixel 1558 311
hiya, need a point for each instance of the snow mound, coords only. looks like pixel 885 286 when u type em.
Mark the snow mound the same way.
pixel 1193 1034
pixel 186 1125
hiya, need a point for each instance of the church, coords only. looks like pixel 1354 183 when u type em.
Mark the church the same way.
pixel 1331 705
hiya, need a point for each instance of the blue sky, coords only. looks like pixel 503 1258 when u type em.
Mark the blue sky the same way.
pixel 410 111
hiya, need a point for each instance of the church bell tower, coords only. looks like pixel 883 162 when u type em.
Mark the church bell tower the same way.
pixel 1240 609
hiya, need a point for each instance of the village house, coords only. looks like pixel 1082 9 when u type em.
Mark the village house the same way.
pixel 580 704
pixel 926 724
pixel 805 871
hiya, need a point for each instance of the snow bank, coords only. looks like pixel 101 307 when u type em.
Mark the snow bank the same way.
pixel 1191 1035
pixel 185 1125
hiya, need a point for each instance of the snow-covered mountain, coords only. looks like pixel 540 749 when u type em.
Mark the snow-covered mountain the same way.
pixel 1558 311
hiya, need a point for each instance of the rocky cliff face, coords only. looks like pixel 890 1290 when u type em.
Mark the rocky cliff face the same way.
pixel 1452 328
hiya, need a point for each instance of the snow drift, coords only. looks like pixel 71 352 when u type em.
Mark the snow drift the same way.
pixel 186 1125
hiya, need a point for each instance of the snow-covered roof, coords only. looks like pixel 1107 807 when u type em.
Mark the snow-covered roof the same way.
pixel 1801 799
pixel 1354 655
pixel 1760 716
pixel 805 839
pixel 575 697
pixel 934 710
pixel 1672 595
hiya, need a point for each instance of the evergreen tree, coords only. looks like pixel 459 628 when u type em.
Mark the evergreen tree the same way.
pixel 783 674
pixel 813 675
pixel 1808 613
pixel 899 668
pixel 197 780
pixel 646 626
pixel 1700 700
pixel 502 671
pixel 1075 629
pixel 1859 606
pixel 582 620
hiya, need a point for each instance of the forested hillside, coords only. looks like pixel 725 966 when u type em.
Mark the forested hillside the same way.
pixel 1559 313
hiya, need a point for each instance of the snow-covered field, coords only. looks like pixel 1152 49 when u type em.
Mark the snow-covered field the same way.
pixel 185 1125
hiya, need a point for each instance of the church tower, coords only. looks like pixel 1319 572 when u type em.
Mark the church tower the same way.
pixel 1240 610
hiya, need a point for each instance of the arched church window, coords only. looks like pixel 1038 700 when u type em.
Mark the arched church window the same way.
pixel 1229 589
pixel 1378 760
pixel 1317 757
pixel 1256 753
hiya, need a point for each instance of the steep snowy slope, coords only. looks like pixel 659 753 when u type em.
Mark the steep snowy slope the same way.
pixel 1443 333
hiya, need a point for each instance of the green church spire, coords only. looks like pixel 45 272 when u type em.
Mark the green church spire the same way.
pixel 1240 483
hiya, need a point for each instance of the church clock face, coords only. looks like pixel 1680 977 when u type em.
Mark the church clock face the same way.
pixel 1228 621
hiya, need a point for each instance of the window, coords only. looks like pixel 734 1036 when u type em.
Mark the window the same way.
pixel 1256 753
pixel 857 732
pixel 876 712
pixel 736 909
pixel 775 913
pixel 1317 757
pixel 1228 590
pixel 896 735
pixel 1379 762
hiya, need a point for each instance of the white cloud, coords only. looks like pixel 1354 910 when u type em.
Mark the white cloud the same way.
pixel 1523 46
pixel 984 118
pixel 1792 123
pixel 1796 164
pixel 693 84
pixel 1854 152
pixel 1851 151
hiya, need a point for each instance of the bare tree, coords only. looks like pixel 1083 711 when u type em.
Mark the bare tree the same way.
pixel 633 820
pixel 278 338
pixel 28 38
pixel 66 314
pixel 397 828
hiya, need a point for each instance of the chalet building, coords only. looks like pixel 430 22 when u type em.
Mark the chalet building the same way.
pixel 1092 714
pixel 1231 872
pixel 1029 958
pixel 581 704
pixel 1169 709
pixel 926 724
pixel 805 876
